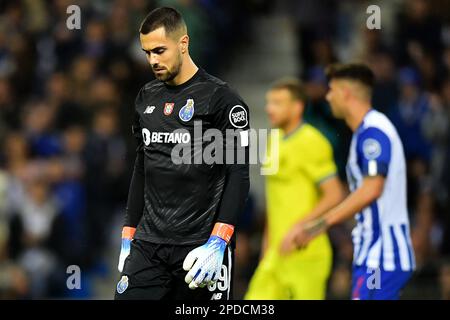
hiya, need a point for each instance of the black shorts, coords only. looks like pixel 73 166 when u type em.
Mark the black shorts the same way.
pixel 155 272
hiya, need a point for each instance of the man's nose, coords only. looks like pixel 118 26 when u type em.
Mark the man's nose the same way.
pixel 154 60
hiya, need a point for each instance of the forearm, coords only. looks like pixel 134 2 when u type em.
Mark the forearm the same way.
pixel 325 203
pixel 235 193
pixel 353 204
pixel 332 193
pixel 135 202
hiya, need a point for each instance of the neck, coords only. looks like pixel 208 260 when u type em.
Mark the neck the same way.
pixel 357 112
pixel 187 71
pixel 291 126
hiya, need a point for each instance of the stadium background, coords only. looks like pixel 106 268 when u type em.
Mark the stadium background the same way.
pixel 66 100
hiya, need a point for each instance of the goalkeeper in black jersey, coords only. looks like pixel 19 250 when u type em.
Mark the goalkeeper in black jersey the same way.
pixel 182 207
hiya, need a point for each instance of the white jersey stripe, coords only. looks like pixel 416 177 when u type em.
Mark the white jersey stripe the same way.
pixel 388 250
pixel 402 248
pixel 357 238
pixel 373 257
pixel 366 236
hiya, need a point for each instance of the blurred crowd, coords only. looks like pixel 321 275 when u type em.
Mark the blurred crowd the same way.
pixel 66 100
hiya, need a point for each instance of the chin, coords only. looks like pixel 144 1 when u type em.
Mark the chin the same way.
pixel 162 77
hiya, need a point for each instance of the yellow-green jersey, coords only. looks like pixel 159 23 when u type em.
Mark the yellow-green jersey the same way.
pixel 305 159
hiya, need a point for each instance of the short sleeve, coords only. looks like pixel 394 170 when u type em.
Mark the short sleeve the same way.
pixel 319 163
pixel 373 152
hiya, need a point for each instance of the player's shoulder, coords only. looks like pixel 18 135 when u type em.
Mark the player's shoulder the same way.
pixel 309 142
pixel 149 88
pixel 212 80
pixel 375 134
pixel 152 86
pixel 376 122
pixel 219 88
pixel 313 136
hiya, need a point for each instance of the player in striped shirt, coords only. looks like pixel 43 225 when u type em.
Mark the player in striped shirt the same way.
pixel 383 260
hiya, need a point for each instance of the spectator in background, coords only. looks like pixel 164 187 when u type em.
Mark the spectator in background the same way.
pixel 16 164
pixel 318 113
pixel 445 280
pixel 418 30
pixel 386 90
pixel 59 97
pixel 9 117
pixel 312 28
pixel 13 281
pixel 106 183
pixel 407 116
pixel 82 73
pixel 38 119
pixel 66 175
pixel 444 181
pixel 436 128
pixel 37 215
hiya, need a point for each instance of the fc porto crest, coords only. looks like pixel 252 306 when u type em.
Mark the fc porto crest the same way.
pixel 187 112
pixel 168 108
pixel 122 285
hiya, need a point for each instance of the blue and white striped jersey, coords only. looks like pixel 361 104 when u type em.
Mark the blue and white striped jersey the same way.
pixel 381 237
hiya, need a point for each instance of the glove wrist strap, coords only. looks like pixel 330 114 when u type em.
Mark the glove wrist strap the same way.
pixel 128 232
pixel 223 231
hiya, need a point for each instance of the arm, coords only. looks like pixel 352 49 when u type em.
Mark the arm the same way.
pixel 135 202
pixel 228 112
pixel 235 193
pixel 370 190
pixel 232 119
pixel 331 194
pixel 320 168
pixel 374 151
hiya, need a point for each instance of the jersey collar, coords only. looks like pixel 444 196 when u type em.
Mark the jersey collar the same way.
pixel 186 83
pixel 287 136
pixel 361 125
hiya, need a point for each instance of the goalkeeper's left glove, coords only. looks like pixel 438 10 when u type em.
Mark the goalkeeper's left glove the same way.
pixel 204 263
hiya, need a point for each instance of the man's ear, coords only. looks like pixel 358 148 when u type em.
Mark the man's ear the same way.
pixel 346 92
pixel 300 107
pixel 184 42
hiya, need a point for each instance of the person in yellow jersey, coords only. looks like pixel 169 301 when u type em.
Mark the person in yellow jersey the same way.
pixel 305 186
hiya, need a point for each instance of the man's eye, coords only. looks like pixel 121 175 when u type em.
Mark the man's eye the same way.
pixel 160 51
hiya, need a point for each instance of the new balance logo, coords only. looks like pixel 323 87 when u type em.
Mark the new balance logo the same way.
pixel 149 109
pixel 216 296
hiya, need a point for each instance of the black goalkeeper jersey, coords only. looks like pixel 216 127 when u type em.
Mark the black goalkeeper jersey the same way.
pixel 184 195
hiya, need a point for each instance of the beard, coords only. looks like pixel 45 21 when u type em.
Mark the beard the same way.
pixel 168 75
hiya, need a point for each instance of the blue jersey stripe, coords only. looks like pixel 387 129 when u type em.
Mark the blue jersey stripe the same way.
pixel 411 260
pixel 395 248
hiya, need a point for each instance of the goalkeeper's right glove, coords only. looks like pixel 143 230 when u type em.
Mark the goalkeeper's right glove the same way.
pixel 127 237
